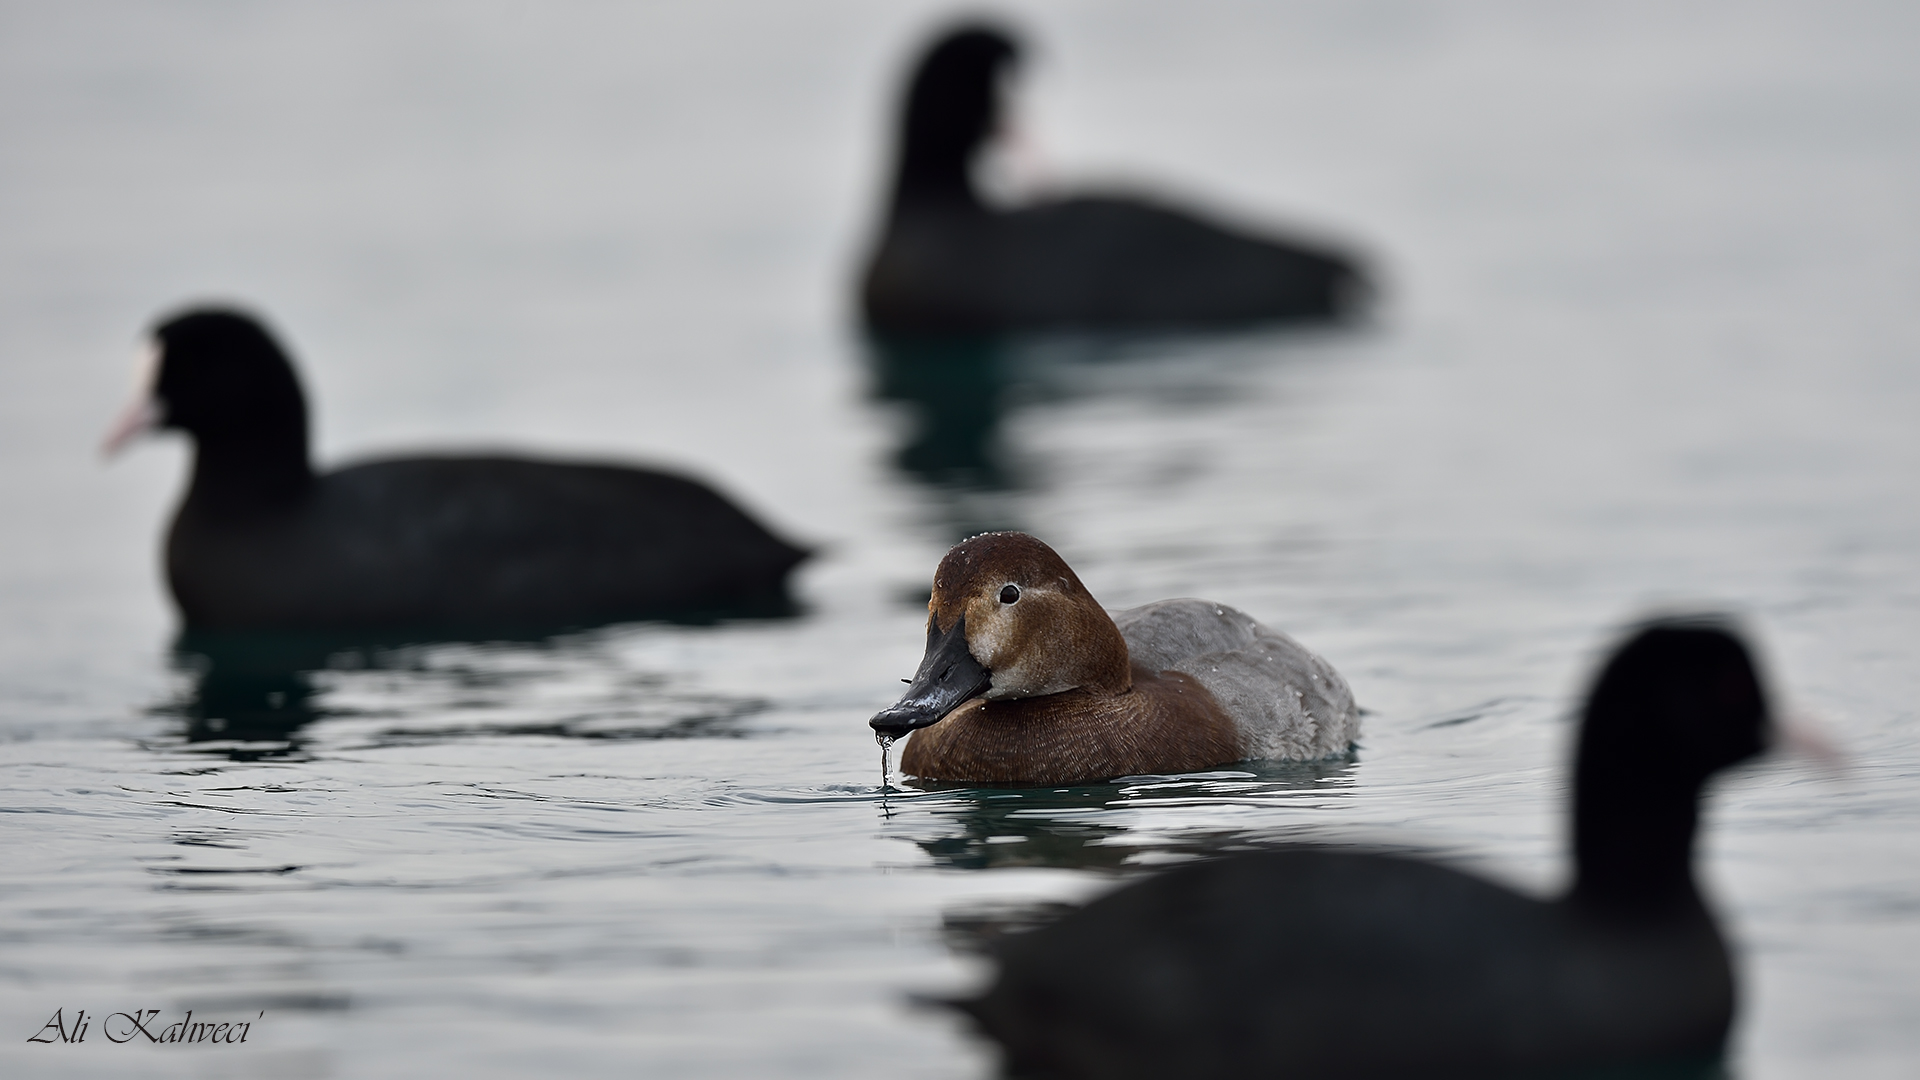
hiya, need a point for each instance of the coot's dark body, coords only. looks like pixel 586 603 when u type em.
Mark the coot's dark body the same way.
pixel 947 262
pixel 478 541
pixel 262 541
pixel 1089 263
pixel 1316 963
pixel 1311 962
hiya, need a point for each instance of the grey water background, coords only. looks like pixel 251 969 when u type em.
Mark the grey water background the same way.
pixel 1649 339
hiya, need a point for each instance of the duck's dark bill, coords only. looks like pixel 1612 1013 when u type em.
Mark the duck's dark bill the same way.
pixel 948 676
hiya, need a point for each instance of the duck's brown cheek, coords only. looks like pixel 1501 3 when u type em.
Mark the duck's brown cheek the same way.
pixel 989 637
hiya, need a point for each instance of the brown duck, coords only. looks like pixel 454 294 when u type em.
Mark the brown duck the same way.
pixel 1027 679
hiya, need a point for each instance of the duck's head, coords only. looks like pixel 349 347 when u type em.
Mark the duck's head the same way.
pixel 952 107
pixel 1008 619
pixel 221 377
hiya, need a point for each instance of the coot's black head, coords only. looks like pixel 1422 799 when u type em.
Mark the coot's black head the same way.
pixel 953 105
pixel 1680 698
pixel 222 376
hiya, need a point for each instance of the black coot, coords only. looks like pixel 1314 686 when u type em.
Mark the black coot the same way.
pixel 263 541
pixel 948 263
pixel 1316 962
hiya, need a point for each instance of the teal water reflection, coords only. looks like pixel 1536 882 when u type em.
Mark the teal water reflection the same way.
pixel 1100 826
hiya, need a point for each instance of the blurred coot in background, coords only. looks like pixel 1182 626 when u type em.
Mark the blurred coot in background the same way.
pixel 262 540
pixel 948 261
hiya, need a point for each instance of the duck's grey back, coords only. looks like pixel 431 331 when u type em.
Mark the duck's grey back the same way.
pixel 1290 703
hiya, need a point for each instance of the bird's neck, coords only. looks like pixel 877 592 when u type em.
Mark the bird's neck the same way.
pixel 236 473
pixel 1633 845
pixel 935 175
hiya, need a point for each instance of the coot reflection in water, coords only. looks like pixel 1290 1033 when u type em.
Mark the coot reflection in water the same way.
pixel 253 695
pixel 960 392
pixel 957 388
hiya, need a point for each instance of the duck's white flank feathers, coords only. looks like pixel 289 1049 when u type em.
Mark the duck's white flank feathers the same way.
pixel 1289 703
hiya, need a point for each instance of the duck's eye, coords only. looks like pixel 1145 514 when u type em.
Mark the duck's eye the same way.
pixel 1009 593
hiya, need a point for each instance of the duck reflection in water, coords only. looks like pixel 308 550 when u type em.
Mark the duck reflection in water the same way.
pixel 1090 827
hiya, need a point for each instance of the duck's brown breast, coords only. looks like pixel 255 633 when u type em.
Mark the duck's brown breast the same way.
pixel 1166 723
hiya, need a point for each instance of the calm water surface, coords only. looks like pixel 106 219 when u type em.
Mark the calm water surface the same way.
pixel 1649 341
